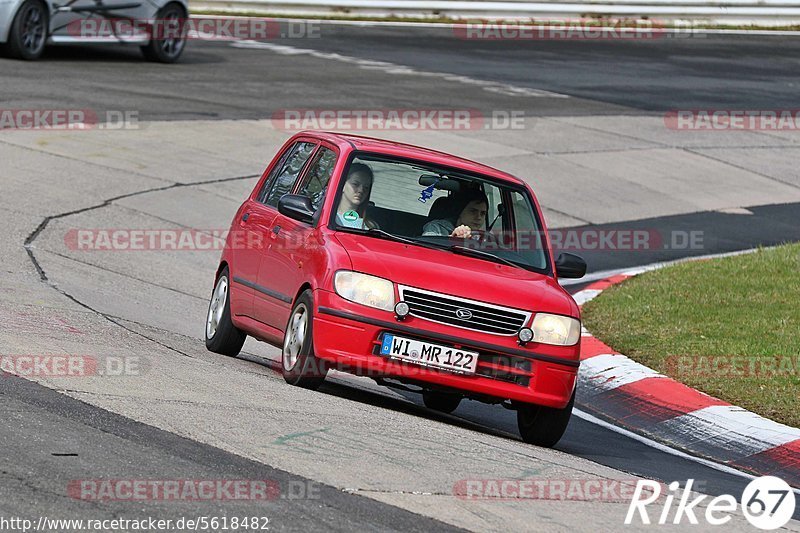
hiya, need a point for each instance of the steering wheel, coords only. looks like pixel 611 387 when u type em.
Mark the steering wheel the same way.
pixel 483 237
pixel 478 235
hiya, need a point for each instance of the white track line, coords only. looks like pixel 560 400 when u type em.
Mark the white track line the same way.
pixel 728 427
pixel 586 295
pixel 664 448
pixel 394 68
pixel 609 371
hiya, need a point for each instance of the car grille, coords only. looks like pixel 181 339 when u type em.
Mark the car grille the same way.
pixel 463 313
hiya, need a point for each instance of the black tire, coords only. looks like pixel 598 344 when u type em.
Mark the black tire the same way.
pixel 28 33
pixel 225 338
pixel 441 401
pixel 299 364
pixel 170 20
pixel 543 426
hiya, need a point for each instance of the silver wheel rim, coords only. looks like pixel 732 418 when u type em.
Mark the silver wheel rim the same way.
pixel 172 23
pixel 216 307
pixel 33 29
pixel 295 336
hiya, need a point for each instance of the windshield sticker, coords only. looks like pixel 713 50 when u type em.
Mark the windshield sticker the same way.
pixel 427 193
pixel 351 219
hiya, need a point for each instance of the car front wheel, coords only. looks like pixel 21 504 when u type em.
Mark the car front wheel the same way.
pixel 300 366
pixel 543 426
pixel 221 335
pixel 28 31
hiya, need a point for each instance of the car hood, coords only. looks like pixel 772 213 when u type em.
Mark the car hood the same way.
pixel 457 275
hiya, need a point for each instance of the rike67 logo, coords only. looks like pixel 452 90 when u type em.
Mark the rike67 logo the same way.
pixel 767 503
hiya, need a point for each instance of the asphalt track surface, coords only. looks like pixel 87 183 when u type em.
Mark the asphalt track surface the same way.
pixel 219 81
pixel 213 81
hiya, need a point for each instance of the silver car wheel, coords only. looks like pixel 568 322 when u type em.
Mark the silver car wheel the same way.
pixel 33 30
pixel 216 307
pixel 295 336
pixel 173 45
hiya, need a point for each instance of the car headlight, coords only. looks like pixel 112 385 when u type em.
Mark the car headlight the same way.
pixel 556 329
pixel 365 289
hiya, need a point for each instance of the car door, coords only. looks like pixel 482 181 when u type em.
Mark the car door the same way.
pixel 283 264
pixel 270 296
pixel 99 20
pixel 251 231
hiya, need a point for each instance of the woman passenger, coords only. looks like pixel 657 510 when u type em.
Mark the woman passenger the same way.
pixel 355 198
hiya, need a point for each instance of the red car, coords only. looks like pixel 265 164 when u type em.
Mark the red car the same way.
pixel 417 268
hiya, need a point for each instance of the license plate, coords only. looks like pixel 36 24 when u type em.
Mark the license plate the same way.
pixel 428 354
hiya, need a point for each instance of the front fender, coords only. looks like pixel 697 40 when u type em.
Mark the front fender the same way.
pixel 8 10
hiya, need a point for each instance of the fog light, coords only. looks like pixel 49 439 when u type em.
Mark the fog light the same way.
pixel 525 335
pixel 401 310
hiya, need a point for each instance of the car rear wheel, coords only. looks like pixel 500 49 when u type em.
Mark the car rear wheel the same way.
pixel 441 401
pixel 300 366
pixel 169 35
pixel 221 335
pixel 543 426
pixel 28 32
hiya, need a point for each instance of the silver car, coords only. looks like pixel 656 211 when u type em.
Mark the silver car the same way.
pixel 26 26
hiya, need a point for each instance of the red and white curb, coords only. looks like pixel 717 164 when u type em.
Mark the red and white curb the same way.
pixel 635 397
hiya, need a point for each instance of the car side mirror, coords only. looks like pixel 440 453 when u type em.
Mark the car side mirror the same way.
pixel 296 206
pixel 570 266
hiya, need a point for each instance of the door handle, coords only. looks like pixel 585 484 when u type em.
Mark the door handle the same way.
pixel 245 217
pixel 275 231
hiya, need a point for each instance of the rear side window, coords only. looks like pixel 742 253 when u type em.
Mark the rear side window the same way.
pixel 285 173
pixel 318 175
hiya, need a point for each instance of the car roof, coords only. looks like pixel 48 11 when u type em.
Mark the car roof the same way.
pixel 385 146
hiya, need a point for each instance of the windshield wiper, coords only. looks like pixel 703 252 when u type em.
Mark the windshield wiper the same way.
pixel 392 236
pixel 478 253
pixel 376 232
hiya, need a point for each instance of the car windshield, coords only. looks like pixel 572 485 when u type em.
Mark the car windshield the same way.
pixel 421 204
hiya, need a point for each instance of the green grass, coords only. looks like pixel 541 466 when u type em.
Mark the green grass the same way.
pixel 692 320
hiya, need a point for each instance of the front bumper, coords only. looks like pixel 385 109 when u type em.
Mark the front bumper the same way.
pixel 348 334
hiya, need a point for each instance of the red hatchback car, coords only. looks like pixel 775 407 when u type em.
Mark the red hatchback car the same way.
pixel 417 268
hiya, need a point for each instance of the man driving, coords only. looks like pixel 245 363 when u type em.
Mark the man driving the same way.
pixel 470 208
